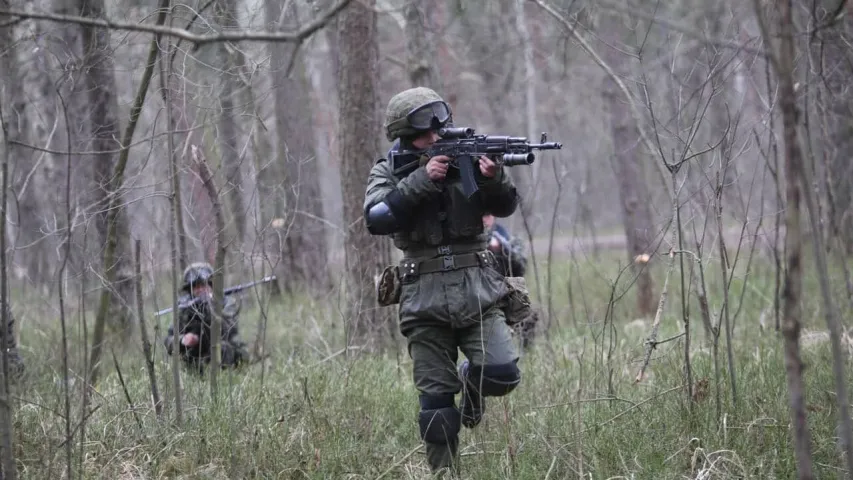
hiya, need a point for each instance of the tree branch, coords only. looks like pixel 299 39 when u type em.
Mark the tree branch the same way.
pixel 262 36
pixel 219 270
pixel 689 30
pixel 638 118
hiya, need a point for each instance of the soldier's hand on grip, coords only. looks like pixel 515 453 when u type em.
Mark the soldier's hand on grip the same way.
pixel 189 340
pixel 437 167
pixel 488 167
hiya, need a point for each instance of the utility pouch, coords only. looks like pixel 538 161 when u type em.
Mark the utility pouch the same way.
pixel 389 286
pixel 516 304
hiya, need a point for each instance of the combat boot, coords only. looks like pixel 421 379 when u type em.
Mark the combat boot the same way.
pixel 443 459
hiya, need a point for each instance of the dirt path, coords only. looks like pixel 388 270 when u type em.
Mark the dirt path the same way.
pixel 565 244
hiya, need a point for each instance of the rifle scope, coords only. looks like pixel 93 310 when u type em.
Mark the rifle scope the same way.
pixel 456 132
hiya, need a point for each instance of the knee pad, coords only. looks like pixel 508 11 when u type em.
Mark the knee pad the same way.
pixel 494 380
pixel 439 419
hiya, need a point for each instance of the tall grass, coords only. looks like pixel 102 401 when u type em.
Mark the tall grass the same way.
pixel 319 413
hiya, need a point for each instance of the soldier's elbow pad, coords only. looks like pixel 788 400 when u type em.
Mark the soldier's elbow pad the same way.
pixel 381 219
pixel 504 204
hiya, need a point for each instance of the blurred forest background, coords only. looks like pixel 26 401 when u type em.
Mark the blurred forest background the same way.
pixel 626 94
pixel 691 131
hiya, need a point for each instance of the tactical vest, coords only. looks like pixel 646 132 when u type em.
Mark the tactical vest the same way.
pixel 449 219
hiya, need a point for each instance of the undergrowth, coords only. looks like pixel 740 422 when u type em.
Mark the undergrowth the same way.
pixel 314 409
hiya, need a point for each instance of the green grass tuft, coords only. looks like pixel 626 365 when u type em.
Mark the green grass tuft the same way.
pixel 319 413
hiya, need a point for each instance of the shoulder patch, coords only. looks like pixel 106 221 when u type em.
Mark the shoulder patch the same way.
pixel 378 161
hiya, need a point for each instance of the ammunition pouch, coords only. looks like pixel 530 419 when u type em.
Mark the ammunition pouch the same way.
pixel 516 303
pixel 389 287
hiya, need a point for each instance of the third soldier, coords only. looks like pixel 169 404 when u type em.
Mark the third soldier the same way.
pixel 195 314
pixel 511 262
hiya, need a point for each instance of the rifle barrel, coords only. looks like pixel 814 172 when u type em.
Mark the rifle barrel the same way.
pixel 227 291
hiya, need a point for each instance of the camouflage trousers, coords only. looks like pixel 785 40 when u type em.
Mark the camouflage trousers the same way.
pixel 234 354
pixel 434 352
pixel 450 304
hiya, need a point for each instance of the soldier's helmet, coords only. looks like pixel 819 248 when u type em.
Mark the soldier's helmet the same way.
pixel 415 110
pixel 197 273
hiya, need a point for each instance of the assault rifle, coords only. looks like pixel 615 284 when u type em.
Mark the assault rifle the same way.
pixel 227 291
pixel 464 148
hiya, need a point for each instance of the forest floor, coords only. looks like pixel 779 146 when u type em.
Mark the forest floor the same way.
pixel 317 409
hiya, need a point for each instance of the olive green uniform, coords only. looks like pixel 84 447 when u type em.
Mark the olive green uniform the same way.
pixel 16 363
pixel 512 262
pixel 450 293
pixel 197 317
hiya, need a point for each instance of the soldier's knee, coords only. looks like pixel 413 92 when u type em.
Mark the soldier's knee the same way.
pixel 495 380
pixel 439 419
pixel 17 368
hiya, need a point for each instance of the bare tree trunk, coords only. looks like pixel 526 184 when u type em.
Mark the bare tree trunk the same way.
pixel 530 81
pixel 835 71
pixel 170 94
pixel 419 48
pixel 115 223
pixel 487 53
pixel 792 292
pixel 366 254
pixel 7 432
pixel 143 332
pixel 333 38
pixel 291 178
pixel 26 174
pixel 100 85
pixel 528 178
pixel 489 57
pixel 229 134
pixel 627 164
pixel 175 207
pixel 218 272
pixel 61 280
pixel 68 100
pixel 820 247
pixel 321 67
pixel 725 317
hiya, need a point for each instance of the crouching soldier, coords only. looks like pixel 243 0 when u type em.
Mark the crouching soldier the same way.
pixel 195 318
pixel 16 363
pixel 511 261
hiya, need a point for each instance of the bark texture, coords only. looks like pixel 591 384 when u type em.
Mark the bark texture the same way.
pixel 360 132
